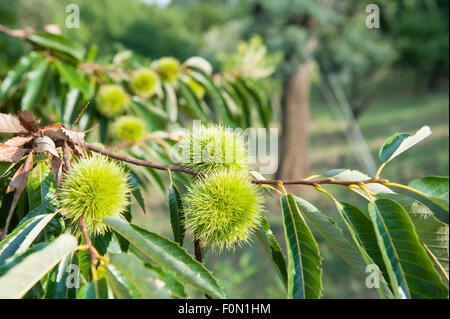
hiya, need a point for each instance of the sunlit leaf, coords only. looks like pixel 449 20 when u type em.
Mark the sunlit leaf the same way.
pixel 273 250
pixel 168 255
pixel 34 84
pixel 129 272
pixel 304 263
pixel 400 142
pixel 23 236
pixel 411 272
pixel 434 188
pixel 14 75
pixel 19 279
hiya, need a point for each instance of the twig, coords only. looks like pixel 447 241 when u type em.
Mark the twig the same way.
pixel 184 169
pixel 79 115
pixel 132 160
pixel 145 139
pixel 317 181
pixel 87 240
pixel 92 128
pixel 19 34
pixel 199 258
pixel 66 153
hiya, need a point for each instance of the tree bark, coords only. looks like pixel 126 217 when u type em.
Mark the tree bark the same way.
pixel 295 125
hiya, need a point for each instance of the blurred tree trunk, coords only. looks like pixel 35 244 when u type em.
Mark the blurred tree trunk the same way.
pixel 295 123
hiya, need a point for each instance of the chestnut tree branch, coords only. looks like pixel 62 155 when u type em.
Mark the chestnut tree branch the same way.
pixel 184 169
pixel 136 161
pixel 87 240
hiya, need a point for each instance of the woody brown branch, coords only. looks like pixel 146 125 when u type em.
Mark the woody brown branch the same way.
pixel 184 169
pixel 87 240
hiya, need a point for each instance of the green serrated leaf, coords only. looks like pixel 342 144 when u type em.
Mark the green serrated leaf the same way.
pixel 171 102
pixel 23 276
pixel 70 106
pixel 411 272
pixel 97 289
pixel 400 142
pixel 73 77
pixel 168 255
pixel 12 261
pixel 272 249
pixel 246 102
pixel 391 145
pixel 337 239
pixel 41 185
pixel 34 84
pixel 176 214
pixel 304 263
pixel 262 100
pixel 14 75
pixel 356 176
pixel 220 106
pixel 136 189
pixel 192 102
pixel 433 233
pixel 57 43
pixel 147 110
pixel 365 234
pixel 23 236
pixel 434 188
pixel 334 172
pixel 140 281
pixel 57 284
pixel 173 285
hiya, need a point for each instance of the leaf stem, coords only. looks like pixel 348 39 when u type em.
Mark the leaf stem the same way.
pixel 87 240
pixel 272 188
pixel 407 188
pixel 377 174
pixel 361 186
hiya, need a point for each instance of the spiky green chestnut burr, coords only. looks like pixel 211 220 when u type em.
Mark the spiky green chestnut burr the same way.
pixel 111 100
pixel 167 68
pixel 214 147
pixel 128 128
pixel 223 209
pixel 96 187
pixel 143 82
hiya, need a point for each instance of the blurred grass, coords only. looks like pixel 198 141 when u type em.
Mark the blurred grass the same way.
pixel 248 273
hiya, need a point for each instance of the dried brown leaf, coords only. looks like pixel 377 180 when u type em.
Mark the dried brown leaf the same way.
pixel 79 151
pixel 10 124
pixel 74 136
pixel 18 140
pixel 45 145
pixel 28 120
pixel 57 169
pixel 59 132
pixel 12 153
pixel 20 179
pixel 53 131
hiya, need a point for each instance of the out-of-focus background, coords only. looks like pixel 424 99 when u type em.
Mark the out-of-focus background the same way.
pixel 348 82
